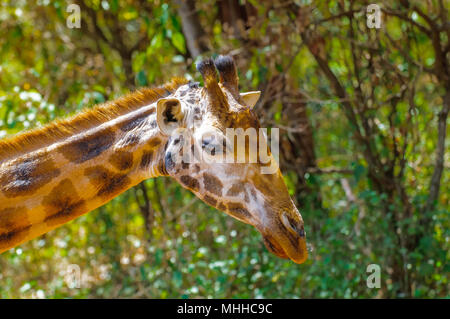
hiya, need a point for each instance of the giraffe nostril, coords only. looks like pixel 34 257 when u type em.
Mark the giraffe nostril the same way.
pixel 301 232
pixel 293 225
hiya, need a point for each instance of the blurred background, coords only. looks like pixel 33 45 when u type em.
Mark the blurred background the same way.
pixel 362 113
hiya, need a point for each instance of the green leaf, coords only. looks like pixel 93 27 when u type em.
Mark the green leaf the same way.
pixel 178 42
pixel 141 78
pixel 157 41
pixel 177 278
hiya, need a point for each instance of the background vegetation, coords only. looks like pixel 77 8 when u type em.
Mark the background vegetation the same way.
pixel 363 116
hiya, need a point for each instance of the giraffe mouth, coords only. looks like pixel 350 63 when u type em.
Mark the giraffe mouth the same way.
pixel 289 247
pixel 274 248
pixel 286 239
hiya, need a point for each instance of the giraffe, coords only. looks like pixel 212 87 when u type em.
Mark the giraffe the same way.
pixel 52 175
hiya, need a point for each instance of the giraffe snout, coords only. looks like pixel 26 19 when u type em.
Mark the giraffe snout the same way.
pixel 291 236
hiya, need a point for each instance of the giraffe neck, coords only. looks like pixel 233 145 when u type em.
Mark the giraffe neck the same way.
pixel 53 184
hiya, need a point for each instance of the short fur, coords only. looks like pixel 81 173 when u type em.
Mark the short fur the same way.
pixel 218 100
pixel 228 74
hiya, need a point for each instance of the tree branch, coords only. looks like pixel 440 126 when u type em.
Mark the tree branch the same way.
pixel 195 35
pixel 329 170
pixel 408 19
pixel 435 182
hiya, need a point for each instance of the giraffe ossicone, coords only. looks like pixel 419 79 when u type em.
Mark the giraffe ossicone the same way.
pixel 51 175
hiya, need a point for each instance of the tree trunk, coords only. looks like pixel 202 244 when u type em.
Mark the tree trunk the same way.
pixel 233 15
pixel 302 157
pixel 435 183
pixel 196 38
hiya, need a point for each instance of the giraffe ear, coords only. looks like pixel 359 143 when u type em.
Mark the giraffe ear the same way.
pixel 169 115
pixel 250 98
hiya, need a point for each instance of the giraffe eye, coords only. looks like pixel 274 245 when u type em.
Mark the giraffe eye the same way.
pixel 212 146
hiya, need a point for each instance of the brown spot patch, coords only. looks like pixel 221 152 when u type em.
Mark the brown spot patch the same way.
pixel 210 200
pixel 190 182
pixel 238 211
pixel 221 207
pixel 146 159
pixel 121 160
pixel 13 218
pixel 24 176
pixel 109 184
pixel 212 184
pixel 162 168
pixel 135 121
pixel 184 165
pixel 264 186
pixel 63 204
pixel 237 189
pixel 12 238
pixel 88 147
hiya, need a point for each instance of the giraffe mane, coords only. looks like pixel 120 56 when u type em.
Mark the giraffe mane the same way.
pixel 90 117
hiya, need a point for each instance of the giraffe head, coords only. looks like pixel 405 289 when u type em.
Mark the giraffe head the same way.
pixel 217 150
